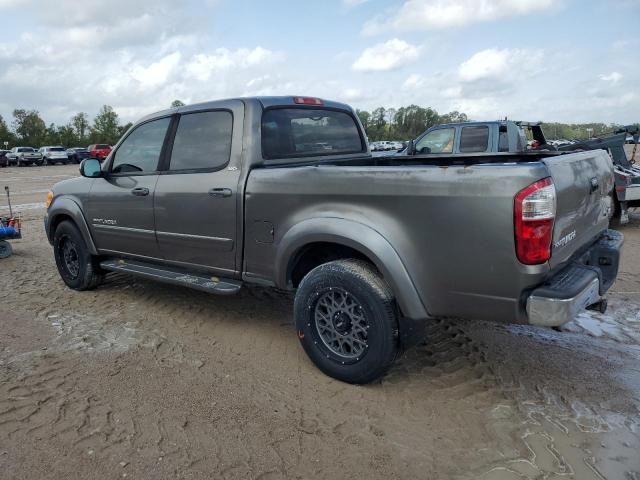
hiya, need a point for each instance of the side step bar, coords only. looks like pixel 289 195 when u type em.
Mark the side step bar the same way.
pixel 198 281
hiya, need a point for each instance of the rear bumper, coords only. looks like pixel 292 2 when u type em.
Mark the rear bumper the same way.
pixel 582 283
pixel 632 192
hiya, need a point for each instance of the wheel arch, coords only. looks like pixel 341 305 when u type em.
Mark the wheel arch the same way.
pixel 65 208
pixel 344 236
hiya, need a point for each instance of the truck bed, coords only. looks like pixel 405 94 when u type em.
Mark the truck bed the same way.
pixel 450 219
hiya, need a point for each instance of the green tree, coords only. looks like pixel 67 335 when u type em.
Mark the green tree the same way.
pixel 6 135
pixel 80 125
pixel 123 129
pixel 365 118
pixel 67 136
pixel 177 103
pixel 51 136
pixel 29 127
pixel 106 126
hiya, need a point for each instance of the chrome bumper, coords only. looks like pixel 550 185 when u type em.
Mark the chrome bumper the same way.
pixel 582 283
pixel 553 312
pixel 632 192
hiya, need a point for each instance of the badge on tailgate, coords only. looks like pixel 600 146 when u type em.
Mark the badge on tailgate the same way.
pixel 565 240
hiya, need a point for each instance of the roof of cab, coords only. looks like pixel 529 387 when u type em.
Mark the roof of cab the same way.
pixel 263 101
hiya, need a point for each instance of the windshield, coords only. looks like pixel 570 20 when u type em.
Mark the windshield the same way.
pixel 305 132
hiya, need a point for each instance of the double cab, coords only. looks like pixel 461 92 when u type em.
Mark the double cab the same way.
pixel 282 192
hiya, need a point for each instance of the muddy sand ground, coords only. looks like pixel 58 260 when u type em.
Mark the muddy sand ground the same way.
pixel 143 380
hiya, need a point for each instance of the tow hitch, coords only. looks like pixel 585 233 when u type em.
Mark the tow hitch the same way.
pixel 600 306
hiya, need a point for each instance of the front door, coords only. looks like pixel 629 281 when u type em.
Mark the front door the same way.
pixel 121 203
pixel 196 197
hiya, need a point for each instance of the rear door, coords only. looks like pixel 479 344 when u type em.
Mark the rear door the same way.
pixel 197 195
pixel 474 139
pixel 120 208
pixel 583 182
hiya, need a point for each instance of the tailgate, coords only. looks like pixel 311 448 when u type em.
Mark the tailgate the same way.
pixel 583 182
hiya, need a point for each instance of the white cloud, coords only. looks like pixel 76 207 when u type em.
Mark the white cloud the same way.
pixel 613 77
pixel 499 64
pixel 203 66
pixel 390 55
pixel 157 73
pixel 413 81
pixel 352 94
pixel 440 14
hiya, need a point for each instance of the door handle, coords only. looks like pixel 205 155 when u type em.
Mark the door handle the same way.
pixel 220 192
pixel 140 191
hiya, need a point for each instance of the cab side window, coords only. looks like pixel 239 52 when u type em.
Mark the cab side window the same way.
pixel 437 141
pixel 202 141
pixel 474 139
pixel 140 151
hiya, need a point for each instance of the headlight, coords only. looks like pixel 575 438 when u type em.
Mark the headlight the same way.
pixel 47 203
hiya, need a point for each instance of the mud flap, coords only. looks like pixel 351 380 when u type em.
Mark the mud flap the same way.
pixel 411 332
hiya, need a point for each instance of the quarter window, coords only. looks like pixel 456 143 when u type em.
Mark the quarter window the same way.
pixel 437 141
pixel 140 151
pixel 474 139
pixel 203 141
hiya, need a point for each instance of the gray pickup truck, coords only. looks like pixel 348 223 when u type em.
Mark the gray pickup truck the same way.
pixel 283 192
pixel 509 136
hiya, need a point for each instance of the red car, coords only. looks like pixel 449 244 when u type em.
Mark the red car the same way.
pixel 99 151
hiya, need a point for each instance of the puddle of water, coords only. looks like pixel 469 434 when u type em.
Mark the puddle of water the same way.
pixel 621 322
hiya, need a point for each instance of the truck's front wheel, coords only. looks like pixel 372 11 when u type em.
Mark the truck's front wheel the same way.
pixel 346 318
pixel 77 267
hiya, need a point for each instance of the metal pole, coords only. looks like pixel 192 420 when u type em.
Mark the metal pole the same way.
pixel 6 189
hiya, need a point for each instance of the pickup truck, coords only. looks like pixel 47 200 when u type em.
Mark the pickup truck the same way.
pixel 283 192
pixel 21 156
pixel 510 136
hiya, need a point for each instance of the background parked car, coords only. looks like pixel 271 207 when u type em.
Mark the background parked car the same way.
pixel 99 151
pixel 77 154
pixel 21 156
pixel 53 155
pixel 4 162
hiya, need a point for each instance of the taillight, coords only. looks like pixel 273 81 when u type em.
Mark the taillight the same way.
pixel 534 214
pixel 307 101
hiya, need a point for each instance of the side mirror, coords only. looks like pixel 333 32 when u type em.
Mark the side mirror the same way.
pixel 90 168
pixel 411 147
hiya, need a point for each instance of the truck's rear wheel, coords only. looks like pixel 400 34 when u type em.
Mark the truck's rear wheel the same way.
pixel 77 267
pixel 346 318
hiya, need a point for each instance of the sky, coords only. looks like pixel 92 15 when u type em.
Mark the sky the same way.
pixel 550 60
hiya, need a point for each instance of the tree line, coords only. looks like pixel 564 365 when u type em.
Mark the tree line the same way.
pixel 406 123
pixel 29 129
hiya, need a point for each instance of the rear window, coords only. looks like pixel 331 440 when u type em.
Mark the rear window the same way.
pixel 26 149
pixel 102 147
pixel 57 149
pixel 474 139
pixel 306 132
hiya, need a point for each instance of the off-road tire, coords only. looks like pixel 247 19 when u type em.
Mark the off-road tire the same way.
pixel 360 284
pixel 78 268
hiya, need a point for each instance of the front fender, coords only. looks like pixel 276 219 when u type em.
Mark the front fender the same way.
pixel 362 238
pixel 67 207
